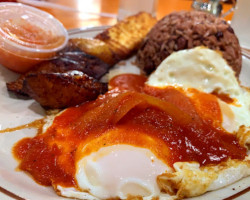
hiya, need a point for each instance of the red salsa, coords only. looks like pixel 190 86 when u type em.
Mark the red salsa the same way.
pixel 168 116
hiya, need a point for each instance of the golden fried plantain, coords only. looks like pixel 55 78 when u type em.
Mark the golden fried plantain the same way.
pixel 125 37
pixel 96 48
pixel 61 90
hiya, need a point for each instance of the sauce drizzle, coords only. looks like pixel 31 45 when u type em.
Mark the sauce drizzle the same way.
pixel 37 124
pixel 166 121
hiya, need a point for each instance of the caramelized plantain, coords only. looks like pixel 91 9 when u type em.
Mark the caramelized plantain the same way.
pixel 72 58
pixel 61 90
pixel 17 86
pixel 125 37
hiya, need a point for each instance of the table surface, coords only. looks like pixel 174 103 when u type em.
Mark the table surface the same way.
pixel 76 19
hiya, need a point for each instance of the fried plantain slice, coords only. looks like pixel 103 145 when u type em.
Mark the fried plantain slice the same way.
pixel 96 48
pixel 17 86
pixel 72 58
pixel 126 36
pixel 62 90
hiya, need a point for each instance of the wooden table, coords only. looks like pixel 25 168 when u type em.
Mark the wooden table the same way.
pixel 72 19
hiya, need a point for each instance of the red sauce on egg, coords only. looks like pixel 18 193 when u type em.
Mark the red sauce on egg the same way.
pixel 224 97
pixel 131 82
pixel 166 121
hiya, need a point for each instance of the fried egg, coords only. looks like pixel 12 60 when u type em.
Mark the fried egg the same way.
pixel 134 172
pixel 206 71
pixel 124 163
pixel 118 171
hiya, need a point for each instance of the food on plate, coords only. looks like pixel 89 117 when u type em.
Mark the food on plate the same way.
pixel 119 41
pixel 125 37
pixel 28 36
pixel 99 147
pixel 62 90
pixel 205 70
pixel 73 76
pixel 17 86
pixel 151 139
pixel 93 57
pixel 185 30
pixel 96 48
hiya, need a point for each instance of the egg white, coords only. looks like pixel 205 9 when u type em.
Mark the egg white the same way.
pixel 189 179
pixel 120 171
pixel 206 71
pixel 117 171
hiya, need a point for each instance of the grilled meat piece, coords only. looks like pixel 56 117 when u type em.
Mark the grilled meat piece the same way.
pixel 71 58
pixel 62 90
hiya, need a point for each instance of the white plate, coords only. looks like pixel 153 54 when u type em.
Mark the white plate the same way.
pixel 13 112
